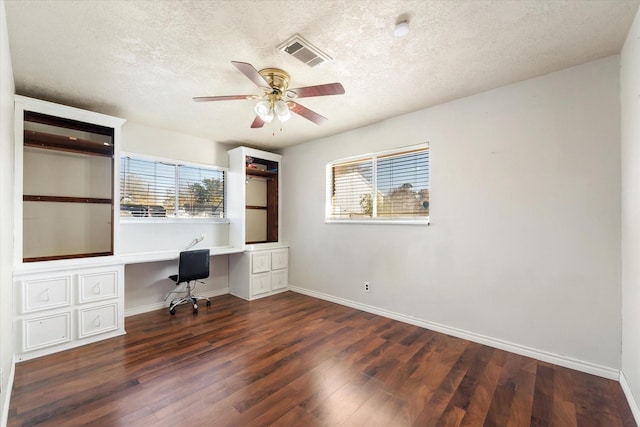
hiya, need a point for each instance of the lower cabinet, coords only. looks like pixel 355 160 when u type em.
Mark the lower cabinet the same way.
pixel 259 273
pixel 61 309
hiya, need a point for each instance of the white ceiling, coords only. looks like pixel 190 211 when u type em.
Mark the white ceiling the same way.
pixel 145 60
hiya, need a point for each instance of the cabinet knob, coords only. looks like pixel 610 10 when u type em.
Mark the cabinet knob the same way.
pixel 96 321
pixel 45 295
pixel 96 288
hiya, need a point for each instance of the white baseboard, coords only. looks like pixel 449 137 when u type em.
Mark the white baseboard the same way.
pixel 556 359
pixel 6 400
pixel 165 304
pixel 635 410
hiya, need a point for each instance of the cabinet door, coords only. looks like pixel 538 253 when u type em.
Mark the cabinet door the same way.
pixel 98 320
pixel 279 259
pixel 279 279
pixel 260 283
pixel 43 294
pixel 46 331
pixel 98 286
pixel 260 262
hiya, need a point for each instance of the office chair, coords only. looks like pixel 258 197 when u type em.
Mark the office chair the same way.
pixel 193 266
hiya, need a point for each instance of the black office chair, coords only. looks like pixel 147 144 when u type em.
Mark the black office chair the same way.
pixel 193 266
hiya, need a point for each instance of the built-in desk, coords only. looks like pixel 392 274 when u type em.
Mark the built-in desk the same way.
pixel 174 254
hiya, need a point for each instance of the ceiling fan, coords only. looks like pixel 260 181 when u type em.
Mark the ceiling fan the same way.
pixel 277 100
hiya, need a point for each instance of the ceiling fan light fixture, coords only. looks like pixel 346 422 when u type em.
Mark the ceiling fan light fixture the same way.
pixel 264 111
pixel 282 111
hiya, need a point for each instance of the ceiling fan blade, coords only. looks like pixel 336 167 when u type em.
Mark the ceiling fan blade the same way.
pixel 251 73
pixel 319 90
pixel 257 123
pixel 306 113
pixel 223 98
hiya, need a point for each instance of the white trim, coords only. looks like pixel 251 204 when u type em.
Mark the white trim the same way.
pixel 635 410
pixel 556 359
pixel 59 110
pixel 7 393
pixel 164 304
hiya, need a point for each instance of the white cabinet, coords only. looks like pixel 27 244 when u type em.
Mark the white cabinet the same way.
pixel 259 273
pixel 58 309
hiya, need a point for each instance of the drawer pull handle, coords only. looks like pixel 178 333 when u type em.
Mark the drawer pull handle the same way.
pixel 96 321
pixel 45 295
pixel 96 288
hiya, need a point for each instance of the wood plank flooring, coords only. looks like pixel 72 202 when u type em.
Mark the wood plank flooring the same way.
pixel 292 360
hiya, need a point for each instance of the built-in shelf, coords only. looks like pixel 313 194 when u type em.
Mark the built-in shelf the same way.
pixel 260 172
pixel 66 143
pixel 63 199
pixel 66 256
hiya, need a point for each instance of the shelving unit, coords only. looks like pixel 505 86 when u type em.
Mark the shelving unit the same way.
pixel 68 188
pixel 254 202
pixel 68 283
pixel 254 196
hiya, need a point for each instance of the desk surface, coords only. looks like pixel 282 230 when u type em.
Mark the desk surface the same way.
pixel 89 262
pixel 171 255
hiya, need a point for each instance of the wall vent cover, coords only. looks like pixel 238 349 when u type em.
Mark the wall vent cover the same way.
pixel 299 48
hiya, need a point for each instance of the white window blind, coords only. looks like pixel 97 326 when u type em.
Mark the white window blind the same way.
pixel 158 189
pixel 200 192
pixel 385 186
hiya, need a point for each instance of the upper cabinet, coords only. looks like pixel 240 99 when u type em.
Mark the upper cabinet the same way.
pixel 254 196
pixel 65 173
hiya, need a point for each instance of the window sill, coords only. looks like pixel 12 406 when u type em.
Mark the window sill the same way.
pixel 124 220
pixel 422 222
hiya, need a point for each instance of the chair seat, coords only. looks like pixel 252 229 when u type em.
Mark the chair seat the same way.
pixel 174 277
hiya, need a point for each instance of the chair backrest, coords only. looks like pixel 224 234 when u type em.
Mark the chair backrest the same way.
pixel 193 265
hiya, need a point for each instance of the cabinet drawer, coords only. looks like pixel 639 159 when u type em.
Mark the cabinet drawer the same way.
pixel 260 283
pixel 260 262
pixel 279 259
pixel 279 279
pixel 98 286
pixel 44 294
pixel 46 331
pixel 97 320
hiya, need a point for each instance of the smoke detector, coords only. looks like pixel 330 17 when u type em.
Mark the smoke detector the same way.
pixel 301 49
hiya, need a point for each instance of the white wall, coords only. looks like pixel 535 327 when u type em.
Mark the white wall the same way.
pixel 7 90
pixel 147 284
pixel 630 102
pixel 138 138
pixel 524 247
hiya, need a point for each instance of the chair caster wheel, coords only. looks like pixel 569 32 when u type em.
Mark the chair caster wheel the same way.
pixel 172 311
pixel 208 303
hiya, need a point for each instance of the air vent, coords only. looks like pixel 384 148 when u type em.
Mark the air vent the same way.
pixel 299 48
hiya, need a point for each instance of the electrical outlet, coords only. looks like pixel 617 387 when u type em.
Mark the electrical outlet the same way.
pixel 367 287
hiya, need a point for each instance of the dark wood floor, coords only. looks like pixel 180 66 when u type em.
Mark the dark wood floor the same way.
pixel 292 360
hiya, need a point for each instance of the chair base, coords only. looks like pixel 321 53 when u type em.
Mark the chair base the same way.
pixel 193 299
pixel 189 298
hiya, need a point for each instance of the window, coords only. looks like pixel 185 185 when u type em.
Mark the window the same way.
pixel 388 186
pixel 158 189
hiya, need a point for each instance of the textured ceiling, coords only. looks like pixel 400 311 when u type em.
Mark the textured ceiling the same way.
pixel 145 60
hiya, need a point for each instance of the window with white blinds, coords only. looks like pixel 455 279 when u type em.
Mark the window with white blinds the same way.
pixel 159 189
pixel 389 186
